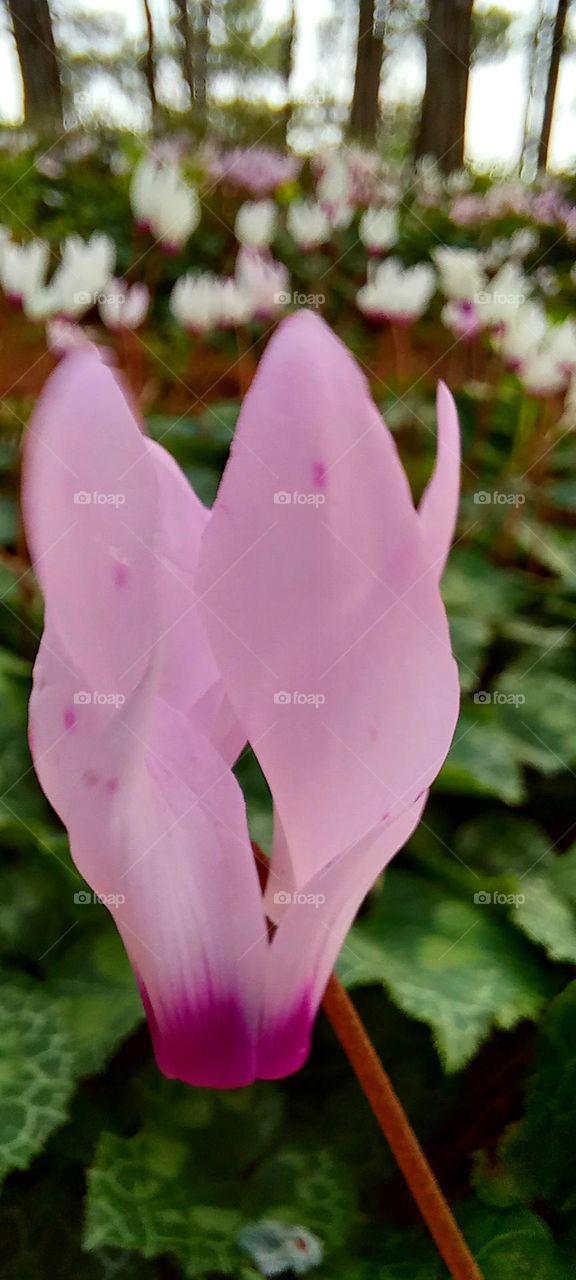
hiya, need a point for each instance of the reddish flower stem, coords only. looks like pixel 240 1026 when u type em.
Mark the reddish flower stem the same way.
pixel 398 1132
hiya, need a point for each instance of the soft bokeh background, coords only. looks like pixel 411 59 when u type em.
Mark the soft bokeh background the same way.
pixel 462 958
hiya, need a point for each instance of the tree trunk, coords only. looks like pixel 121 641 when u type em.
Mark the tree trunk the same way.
pixel 187 49
pixel 443 118
pixel 201 48
pixel 365 110
pixel 38 63
pixel 149 62
pixel 552 83
pixel 286 59
pixel 194 61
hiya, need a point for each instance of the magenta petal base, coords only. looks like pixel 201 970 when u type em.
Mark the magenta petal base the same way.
pixel 285 1045
pixel 208 1045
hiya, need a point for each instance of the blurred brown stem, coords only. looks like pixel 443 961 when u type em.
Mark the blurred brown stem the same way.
pixel 403 354
pixel 398 1132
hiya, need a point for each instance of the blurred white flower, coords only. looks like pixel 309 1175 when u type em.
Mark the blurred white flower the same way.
pixel 94 258
pixel 308 224
pixel 461 318
pixel 63 336
pixel 164 204
pixel 255 224
pixel 541 374
pixel 123 307
pixel 23 269
pixel 505 293
pixel 379 229
pixel 234 306
pixel 194 302
pixel 461 271
pixel 498 252
pixel 204 302
pixel 333 190
pixel 397 293
pixel 263 281
pixel 428 179
pixel 561 341
pixel 523 334
pixel 86 268
pixel 41 304
pixel 568 419
pixel 523 242
pixel 458 181
pixel 548 280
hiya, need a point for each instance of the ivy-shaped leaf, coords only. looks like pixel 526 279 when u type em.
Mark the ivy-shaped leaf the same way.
pixel 455 964
pixel 36 1075
pixel 93 988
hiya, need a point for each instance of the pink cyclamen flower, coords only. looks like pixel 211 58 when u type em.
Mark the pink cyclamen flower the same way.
pixel 302 615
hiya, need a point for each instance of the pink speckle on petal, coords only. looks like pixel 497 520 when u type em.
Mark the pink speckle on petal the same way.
pixel 319 474
pixel 112 786
pixel 69 718
pixel 91 779
pixel 121 575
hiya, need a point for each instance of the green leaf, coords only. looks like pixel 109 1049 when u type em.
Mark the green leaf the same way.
pixel 480 761
pixel 535 1153
pixel 511 1244
pixel 541 729
pixel 499 843
pixel 36 1075
pixel 451 963
pixel 473 586
pixel 470 639
pixel 93 989
pixel 201 1169
pixel 548 912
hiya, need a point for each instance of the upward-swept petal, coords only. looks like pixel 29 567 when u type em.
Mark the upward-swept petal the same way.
pixel 439 505
pixel 320 603
pixel 89 496
pixel 158 828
